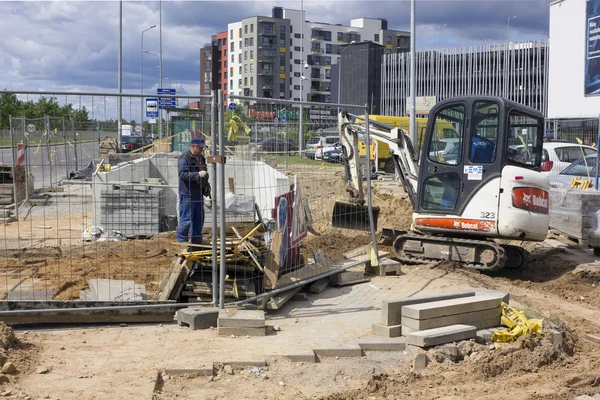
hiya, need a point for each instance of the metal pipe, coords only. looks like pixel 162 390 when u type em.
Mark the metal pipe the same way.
pixel 48 147
pixel 213 151
pixel 42 93
pixel 223 266
pixel 14 165
pixel 160 71
pixel 73 310
pixel 296 284
pixel 369 197
pixel 413 77
pixel 120 84
pixel 275 101
pixel 597 152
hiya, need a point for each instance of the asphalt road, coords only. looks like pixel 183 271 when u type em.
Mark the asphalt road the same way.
pixel 64 160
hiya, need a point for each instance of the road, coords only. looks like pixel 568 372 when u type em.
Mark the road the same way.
pixel 63 157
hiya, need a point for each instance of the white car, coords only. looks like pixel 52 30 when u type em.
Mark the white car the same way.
pixel 319 152
pixel 315 144
pixel 561 155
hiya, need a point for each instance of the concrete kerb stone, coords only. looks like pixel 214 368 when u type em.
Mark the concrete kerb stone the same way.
pixel 484 336
pixel 382 344
pixel 197 318
pixel 450 307
pixel 386 331
pixel 241 331
pixel 232 318
pixel 447 334
pixel 202 371
pixel 346 351
pixel 391 310
pixel 505 296
pixel 479 319
pixel 307 356
pixel 420 362
pixel 243 364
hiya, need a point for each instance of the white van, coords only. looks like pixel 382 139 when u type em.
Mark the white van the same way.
pixel 317 143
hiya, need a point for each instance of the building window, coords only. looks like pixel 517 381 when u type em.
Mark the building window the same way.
pixel 297 35
pixel 251 80
pixel 225 65
pixel 388 40
pixel 251 55
pixel 225 75
pixel 296 87
pixel 225 53
pixel 245 55
pixel 376 37
pixel 251 41
pixel 282 42
pixel 282 28
pixel 239 32
pixel 251 28
pixel 328 48
pixel 327 73
pixel 245 68
pixel 296 61
pixel 239 82
pixel 296 48
pixel 240 57
pixel 231 71
pixel 232 46
pixel 231 83
pixel 245 29
pixel 225 87
pixel 297 74
pixel 231 34
pixel 251 67
pixel 340 36
pixel 246 81
pixel 327 60
pixel 240 45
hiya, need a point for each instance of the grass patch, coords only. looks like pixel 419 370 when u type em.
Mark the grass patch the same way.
pixel 281 159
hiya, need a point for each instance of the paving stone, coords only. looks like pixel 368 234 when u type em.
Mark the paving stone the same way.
pixel 420 362
pixel 387 331
pixel 241 318
pixel 443 308
pixel 117 290
pixel 307 356
pixel 23 295
pixel 197 317
pixel 347 351
pixel 347 277
pixel 246 363
pixel 494 293
pixel 202 371
pixel 319 285
pixel 479 319
pixel 447 334
pixel 241 331
pixel 391 310
pixel 484 336
pixel 557 338
pixel 382 344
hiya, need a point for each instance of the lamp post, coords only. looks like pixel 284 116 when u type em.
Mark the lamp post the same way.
pixel 508 28
pixel 439 31
pixel 142 80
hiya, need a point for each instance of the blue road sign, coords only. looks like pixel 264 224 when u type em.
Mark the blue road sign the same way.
pixel 276 121
pixel 232 106
pixel 283 119
pixel 166 102
pixel 151 107
pixel 166 91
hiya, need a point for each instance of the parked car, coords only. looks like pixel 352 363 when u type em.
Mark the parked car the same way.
pixel 333 155
pixel 317 143
pixel 579 169
pixel 321 152
pixel 447 149
pixel 561 155
pixel 278 145
pixel 131 143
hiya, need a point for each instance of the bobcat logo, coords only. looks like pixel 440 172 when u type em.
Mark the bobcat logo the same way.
pixel 527 198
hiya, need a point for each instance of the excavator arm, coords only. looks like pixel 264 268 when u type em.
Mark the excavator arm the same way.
pixel 405 158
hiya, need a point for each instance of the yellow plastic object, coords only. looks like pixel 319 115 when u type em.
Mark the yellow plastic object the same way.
pixel 517 323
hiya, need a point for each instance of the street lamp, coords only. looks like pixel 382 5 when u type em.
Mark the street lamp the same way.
pixel 439 31
pixel 142 81
pixel 508 28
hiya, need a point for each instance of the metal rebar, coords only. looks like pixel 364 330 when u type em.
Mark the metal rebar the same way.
pixel 222 269
pixel 213 151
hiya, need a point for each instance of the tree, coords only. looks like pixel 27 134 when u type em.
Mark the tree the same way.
pixel 9 105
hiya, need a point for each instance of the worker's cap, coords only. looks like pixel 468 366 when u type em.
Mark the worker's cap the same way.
pixel 198 142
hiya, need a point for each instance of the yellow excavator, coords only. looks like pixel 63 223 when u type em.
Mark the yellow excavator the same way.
pixel 487 186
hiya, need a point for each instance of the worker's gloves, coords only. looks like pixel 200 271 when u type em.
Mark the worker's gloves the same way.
pixel 203 174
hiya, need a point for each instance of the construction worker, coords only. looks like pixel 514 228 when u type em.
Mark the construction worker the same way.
pixel 193 186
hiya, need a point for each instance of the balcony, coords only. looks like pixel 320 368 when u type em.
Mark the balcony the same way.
pixel 317 38
pixel 317 50
pixel 267 86
pixel 266 59
pixel 318 77
pixel 265 71
pixel 267 46
pixel 265 32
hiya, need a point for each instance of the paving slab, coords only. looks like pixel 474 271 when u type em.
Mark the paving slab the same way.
pixel 201 371
pixel 307 356
pixel 391 310
pixel 342 351
pixel 437 336
pixel 318 286
pixel 494 293
pixel 484 336
pixel 30 295
pixel 245 363
pixel 197 318
pixel 386 331
pixel 382 344
pixel 241 331
pixel 117 290
pixel 479 319
pixel 443 308
pixel 241 318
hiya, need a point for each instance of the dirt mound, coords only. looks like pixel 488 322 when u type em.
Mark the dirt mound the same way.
pixel 8 341
pixel 395 213
pixel 335 243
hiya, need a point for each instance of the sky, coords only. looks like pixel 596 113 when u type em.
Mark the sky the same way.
pixel 74 45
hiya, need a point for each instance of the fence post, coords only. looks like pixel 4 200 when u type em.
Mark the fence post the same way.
pixel 64 132
pixel 14 166
pixel 75 145
pixel 369 197
pixel 597 151
pixel 213 152
pixel 48 147
pixel 222 192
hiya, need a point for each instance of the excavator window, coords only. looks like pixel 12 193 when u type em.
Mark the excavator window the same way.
pixel 440 192
pixel 447 150
pixel 524 143
pixel 485 136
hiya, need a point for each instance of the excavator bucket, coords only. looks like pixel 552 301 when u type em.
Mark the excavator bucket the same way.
pixel 347 215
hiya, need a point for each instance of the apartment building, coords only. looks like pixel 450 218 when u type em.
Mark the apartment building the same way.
pixel 284 56
pixel 217 48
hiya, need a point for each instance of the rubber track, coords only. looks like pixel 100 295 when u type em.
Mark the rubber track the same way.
pixel 500 253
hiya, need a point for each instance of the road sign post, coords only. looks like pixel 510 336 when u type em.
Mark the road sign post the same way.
pixel 151 107
pixel 232 106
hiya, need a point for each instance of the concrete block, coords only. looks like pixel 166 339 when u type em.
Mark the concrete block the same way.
pixel 346 351
pixel 557 338
pixel 246 363
pixel 24 295
pixel 479 319
pixel 386 331
pixel 241 331
pixel 347 276
pixel 447 334
pixel 307 356
pixel 420 362
pixel 241 318
pixel 319 285
pixel 382 344
pixel 197 318
pixel 202 371
pixel 391 310
pixel 117 290
pixel 443 308
pixel 505 296
pixel 484 336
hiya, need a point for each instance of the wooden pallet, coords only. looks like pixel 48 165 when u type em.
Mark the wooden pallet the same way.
pixel 566 239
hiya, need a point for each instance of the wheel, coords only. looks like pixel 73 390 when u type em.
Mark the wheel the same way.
pixel 389 168
pixel 516 257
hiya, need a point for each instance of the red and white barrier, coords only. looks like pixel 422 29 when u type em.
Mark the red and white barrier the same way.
pixel 20 153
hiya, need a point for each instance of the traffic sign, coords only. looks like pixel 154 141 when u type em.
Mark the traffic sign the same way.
pixel 283 119
pixel 276 121
pixel 138 128
pixel 151 107
pixel 232 106
pixel 30 128
pixel 166 91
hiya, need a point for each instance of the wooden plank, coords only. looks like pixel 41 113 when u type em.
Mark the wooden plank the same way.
pixel 592 338
pixel 276 302
pixel 172 279
pixel 249 248
pixel 273 263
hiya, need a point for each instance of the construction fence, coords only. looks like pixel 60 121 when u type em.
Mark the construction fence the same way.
pixel 89 220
